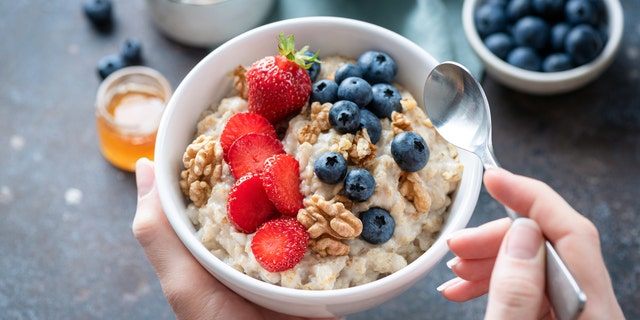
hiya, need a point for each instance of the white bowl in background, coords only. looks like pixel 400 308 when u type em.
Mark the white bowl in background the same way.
pixel 205 23
pixel 545 83
pixel 209 81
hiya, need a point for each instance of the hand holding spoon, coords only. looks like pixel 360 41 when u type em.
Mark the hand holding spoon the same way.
pixel 459 110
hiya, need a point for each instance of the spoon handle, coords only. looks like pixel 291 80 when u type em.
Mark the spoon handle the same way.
pixel 565 295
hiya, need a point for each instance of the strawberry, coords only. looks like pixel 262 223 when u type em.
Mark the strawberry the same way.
pixel 279 244
pixel 248 205
pixel 279 86
pixel 281 181
pixel 247 153
pixel 242 123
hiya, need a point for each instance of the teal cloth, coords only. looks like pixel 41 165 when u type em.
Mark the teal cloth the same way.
pixel 435 25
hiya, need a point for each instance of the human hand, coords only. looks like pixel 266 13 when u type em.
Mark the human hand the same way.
pixel 190 290
pixel 506 259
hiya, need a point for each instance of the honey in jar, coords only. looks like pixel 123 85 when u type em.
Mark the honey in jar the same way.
pixel 129 107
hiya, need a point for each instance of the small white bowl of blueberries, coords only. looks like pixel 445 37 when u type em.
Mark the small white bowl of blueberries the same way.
pixel 544 47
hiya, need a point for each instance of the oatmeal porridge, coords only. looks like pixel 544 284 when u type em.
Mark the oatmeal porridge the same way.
pixel 337 257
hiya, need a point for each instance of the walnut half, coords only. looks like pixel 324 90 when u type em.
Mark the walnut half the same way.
pixel 203 167
pixel 329 222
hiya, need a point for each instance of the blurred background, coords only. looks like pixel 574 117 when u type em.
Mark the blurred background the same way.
pixel 66 246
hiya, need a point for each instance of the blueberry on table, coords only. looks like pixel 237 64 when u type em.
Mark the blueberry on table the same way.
pixel 583 43
pixel 314 69
pixel 490 18
pixel 410 151
pixel 356 90
pixel 324 91
pixel 344 117
pixel 109 64
pixel 370 121
pixel 131 51
pixel 499 43
pixel 531 32
pixel 385 100
pixel 377 67
pixel 359 185
pixel 524 58
pixel 345 71
pixel 98 12
pixel 377 225
pixel 330 167
pixel 557 62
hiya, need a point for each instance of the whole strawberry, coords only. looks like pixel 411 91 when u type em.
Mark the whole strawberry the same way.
pixel 279 86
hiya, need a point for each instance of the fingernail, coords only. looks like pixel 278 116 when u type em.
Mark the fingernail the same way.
pixel 524 239
pixel 452 262
pixel 449 284
pixel 144 177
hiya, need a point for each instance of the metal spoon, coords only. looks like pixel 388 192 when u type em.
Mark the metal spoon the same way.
pixel 459 110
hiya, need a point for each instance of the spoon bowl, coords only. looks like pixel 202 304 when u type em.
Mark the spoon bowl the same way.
pixel 448 87
pixel 458 108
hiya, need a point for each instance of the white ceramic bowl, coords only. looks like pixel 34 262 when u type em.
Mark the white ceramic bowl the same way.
pixel 209 81
pixel 205 23
pixel 541 83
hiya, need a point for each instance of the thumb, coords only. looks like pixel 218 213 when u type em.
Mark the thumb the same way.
pixel 517 283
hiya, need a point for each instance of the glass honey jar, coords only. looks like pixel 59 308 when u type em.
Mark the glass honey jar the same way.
pixel 129 106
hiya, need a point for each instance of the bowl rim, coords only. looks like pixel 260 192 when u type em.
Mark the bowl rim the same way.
pixel 174 211
pixel 615 26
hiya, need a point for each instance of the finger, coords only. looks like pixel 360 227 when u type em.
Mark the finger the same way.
pixel 538 201
pixel 517 283
pixel 460 290
pixel 480 242
pixel 472 269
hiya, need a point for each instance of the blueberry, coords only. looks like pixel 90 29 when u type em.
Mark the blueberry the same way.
pixel 500 44
pixel 359 185
pixel 330 167
pixel 109 64
pixel 355 89
pixel 524 58
pixel 556 62
pixel 314 69
pixel 580 11
pixel 345 71
pixel 583 43
pixel 410 151
pixel 517 9
pixel 378 67
pixel 558 33
pixel 377 225
pixel 490 18
pixel 344 117
pixel 324 91
pixel 531 31
pixel 98 12
pixel 386 100
pixel 131 51
pixel 370 121
pixel 548 9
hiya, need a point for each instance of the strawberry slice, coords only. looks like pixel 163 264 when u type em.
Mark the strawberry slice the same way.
pixel 248 205
pixel 281 181
pixel 279 244
pixel 247 153
pixel 243 123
